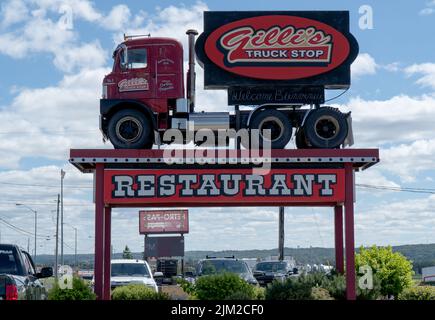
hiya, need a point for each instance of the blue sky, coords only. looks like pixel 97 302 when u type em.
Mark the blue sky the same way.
pixel 51 82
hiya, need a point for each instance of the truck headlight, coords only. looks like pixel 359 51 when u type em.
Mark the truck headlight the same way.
pixel 104 92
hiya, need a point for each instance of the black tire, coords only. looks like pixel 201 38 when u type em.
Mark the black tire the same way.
pixel 301 141
pixel 325 128
pixel 130 129
pixel 281 128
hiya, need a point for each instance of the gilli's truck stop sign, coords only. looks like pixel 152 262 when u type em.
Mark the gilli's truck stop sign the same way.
pixel 287 48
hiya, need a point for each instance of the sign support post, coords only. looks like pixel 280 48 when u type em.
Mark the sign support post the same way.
pixel 99 231
pixel 350 237
pixel 107 252
pixel 281 234
pixel 338 221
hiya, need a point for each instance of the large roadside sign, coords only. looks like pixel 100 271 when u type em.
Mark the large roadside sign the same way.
pixel 164 246
pixel 270 48
pixel 223 187
pixel 163 221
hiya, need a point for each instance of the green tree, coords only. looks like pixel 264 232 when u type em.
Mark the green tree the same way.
pixel 393 270
pixel 126 254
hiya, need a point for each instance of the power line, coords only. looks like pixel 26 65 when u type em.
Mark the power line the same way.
pixel 65 132
pixel 45 185
pixel 398 189
pixel 18 229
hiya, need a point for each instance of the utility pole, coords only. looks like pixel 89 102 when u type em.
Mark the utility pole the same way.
pixel 75 248
pixel 57 239
pixel 62 175
pixel 281 234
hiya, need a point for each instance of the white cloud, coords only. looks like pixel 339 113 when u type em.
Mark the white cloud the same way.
pixel 364 64
pixel 87 56
pixel 393 121
pixel 118 18
pixel 52 119
pixel 429 9
pixel 427 70
pixel 12 12
pixel 81 9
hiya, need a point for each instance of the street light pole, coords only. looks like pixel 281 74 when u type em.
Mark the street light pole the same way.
pixel 62 175
pixel 36 224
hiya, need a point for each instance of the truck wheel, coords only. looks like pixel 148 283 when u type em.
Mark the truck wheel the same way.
pixel 130 129
pixel 325 128
pixel 279 125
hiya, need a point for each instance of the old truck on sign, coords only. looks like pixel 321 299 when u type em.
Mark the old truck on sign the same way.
pixel 276 64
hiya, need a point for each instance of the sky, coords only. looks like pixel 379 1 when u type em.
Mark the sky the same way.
pixel 55 53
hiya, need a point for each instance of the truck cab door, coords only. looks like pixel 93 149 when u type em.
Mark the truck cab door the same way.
pixel 169 71
pixel 136 79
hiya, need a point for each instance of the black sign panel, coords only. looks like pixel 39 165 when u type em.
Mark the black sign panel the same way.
pixel 260 95
pixel 283 48
pixel 164 246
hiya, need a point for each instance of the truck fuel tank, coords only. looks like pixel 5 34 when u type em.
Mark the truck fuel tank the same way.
pixel 210 120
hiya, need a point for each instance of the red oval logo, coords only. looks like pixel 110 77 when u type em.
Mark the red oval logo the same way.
pixel 277 47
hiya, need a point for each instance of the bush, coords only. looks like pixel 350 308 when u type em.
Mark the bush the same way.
pixel 418 293
pixel 318 293
pixel 137 292
pixel 393 270
pixel 222 286
pixel 298 288
pixel 336 286
pixel 80 291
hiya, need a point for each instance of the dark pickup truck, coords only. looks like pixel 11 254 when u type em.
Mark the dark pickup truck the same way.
pixel 18 278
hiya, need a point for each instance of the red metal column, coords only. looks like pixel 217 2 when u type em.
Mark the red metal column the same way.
pixel 349 231
pixel 99 231
pixel 338 221
pixel 107 252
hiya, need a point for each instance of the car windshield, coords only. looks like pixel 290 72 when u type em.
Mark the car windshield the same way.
pixel 8 262
pixel 270 266
pixel 221 266
pixel 129 269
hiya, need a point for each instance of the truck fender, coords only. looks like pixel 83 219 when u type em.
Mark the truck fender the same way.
pixel 262 107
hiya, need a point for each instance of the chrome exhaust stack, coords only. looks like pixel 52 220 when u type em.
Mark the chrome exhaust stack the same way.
pixel 191 72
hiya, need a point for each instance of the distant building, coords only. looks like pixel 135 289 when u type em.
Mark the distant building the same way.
pixel 428 274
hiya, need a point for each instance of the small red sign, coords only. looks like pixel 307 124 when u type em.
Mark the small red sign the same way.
pixel 223 187
pixel 163 221
pixel 277 47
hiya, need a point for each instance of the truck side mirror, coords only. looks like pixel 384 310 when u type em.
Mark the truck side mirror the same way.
pixel 46 272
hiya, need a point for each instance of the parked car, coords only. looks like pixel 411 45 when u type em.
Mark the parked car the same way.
pixel 18 277
pixel 213 265
pixel 129 271
pixel 268 271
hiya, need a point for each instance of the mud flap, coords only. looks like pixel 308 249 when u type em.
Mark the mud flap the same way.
pixel 348 141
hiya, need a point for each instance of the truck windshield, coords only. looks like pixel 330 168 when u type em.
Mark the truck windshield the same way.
pixel 8 261
pixel 129 269
pixel 137 58
pixel 271 266
pixel 221 266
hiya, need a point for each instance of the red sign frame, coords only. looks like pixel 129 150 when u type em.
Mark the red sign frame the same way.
pixel 255 47
pixel 223 187
pixel 163 221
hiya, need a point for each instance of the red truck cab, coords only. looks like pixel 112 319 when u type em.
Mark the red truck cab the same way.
pixel 147 78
